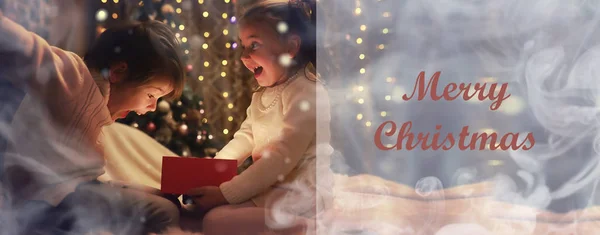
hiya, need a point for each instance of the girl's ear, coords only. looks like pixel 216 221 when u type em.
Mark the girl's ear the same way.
pixel 118 72
pixel 294 42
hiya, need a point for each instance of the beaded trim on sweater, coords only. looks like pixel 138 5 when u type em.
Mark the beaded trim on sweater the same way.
pixel 278 90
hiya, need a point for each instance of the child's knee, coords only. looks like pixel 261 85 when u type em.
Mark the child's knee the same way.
pixel 215 218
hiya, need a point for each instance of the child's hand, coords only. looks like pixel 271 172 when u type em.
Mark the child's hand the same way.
pixel 207 197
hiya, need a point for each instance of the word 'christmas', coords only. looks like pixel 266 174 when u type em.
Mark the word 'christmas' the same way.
pixel 427 141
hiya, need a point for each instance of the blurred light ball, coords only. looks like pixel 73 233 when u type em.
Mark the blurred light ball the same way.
pixel 190 67
pixel 512 106
pixel 183 116
pixel 282 27
pixel 151 126
pixel 202 111
pixel 221 167
pixel 234 45
pixel 164 106
pixel 179 103
pixel 135 125
pixel 285 59
pixel 304 106
pixel 101 15
pixel 233 19
pixel 183 129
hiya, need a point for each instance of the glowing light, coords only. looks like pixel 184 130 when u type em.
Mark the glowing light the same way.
pixel 223 74
pixel 205 14
pixel 205 46
pixel 282 27
pixel 495 162
pixel 487 130
pixel 385 30
pixel 363 70
pixel 115 16
pixel 116 1
pixel 512 106
pixel 225 31
pixel 227 45
pixel 388 97
pixel 381 47
pixel 359 40
pixel 104 1
pixel 224 62
pixel 359 116
pixel 206 64
pixel 230 106
pixel 383 113
pixel 360 88
pixel 224 15
pixel 230 118
pixel 226 1
pixel 488 79
pixel 225 131
pixel 206 34
pixel 389 79
pixel 363 27
pixel 361 101
pixel 200 1
pixel 187 52
pixel 181 27
pixel 357 11
pixel 386 14
pixel 178 10
pixel 200 78
pixel 178 1
pixel 368 123
pixel 101 15
pixel 177 35
pixel 184 39
pixel 225 94
pixel 361 56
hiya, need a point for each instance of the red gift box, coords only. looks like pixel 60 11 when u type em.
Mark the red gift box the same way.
pixel 181 174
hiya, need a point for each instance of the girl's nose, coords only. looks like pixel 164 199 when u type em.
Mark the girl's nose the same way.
pixel 245 54
pixel 152 106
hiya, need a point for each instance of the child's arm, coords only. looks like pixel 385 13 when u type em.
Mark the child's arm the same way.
pixel 240 147
pixel 55 78
pixel 285 151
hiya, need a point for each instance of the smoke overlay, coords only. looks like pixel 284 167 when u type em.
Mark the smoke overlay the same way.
pixel 545 50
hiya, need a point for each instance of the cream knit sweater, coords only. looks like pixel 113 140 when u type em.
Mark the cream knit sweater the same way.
pixel 54 135
pixel 280 132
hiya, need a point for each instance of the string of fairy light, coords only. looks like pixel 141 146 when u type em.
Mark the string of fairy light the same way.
pixel 361 89
pixel 203 42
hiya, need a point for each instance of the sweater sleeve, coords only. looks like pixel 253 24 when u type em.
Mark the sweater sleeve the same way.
pixel 56 79
pixel 285 151
pixel 240 147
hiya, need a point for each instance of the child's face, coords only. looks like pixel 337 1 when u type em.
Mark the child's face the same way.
pixel 262 48
pixel 125 98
